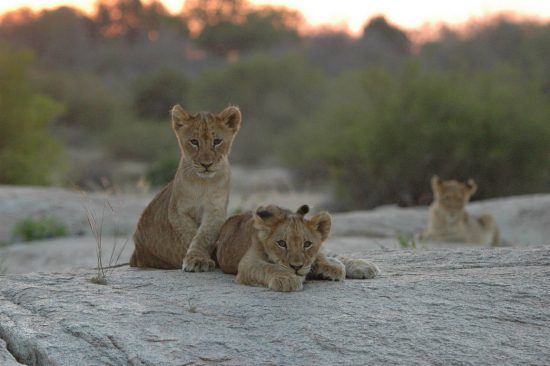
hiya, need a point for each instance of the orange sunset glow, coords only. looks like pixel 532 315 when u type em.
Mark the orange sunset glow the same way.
pixel 351 14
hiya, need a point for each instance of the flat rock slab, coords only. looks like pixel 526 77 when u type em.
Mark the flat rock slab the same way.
pixel 440 306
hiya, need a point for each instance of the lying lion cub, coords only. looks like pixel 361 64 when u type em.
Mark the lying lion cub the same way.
pixel 277 248
pixel 449 220
pixel 179 228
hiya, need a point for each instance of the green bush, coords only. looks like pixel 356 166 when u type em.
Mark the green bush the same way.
pixel 381 136
pixel 272 93
pixel 134 139
pixel 28 154
pixel 90 104
pixel 155 94
pixel 38 229
pixel 163 170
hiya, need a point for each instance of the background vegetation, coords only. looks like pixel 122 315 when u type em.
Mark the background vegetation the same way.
pixel 84 98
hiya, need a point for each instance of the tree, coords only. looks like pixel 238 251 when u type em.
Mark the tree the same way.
pixel 227 26
pixel 27 152
pixel 59 36
pixel 131 19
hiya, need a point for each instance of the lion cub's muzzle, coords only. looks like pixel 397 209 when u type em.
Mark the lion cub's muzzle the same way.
pixel 300 269
pixel 205 170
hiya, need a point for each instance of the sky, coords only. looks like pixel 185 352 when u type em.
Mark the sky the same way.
pixel 352 14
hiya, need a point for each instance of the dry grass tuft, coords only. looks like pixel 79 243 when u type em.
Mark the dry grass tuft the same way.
pixel 96 224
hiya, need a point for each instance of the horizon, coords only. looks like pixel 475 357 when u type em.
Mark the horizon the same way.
pixel 351 18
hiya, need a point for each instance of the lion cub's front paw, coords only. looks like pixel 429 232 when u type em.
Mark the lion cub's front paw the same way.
pixel 285 283
pixel 333 270
pixel 196 263
pixel 360 268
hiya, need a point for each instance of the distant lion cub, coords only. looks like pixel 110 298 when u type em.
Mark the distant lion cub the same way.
pixel 277 248
pixel 179 228
pixel 449 221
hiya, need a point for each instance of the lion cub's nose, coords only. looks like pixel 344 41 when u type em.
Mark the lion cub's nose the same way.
pixel 206 166
pixel 296 267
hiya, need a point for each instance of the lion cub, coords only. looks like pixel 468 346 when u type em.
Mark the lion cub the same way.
pixel 277 248
pixel 179 228
pixel 449 220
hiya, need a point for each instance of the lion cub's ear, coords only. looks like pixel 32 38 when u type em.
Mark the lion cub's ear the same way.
pixel 472 186
pixel 322 223
pixel 179 117
pixel 436 183
pixel 231 117
pixel 302 210
pixel 267 216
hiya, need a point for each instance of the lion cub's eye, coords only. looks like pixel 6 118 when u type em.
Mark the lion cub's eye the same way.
pixel 281 243
pixel 307 244
pixel 194 142
pixel 217 142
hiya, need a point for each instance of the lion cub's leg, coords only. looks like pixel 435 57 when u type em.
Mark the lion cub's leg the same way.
pixel 489 225
pixel 358 268
pixel 257 272
pixel 199 255
pixel 327 268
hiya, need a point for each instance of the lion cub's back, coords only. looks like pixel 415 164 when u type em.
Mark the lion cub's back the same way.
pixel 234 240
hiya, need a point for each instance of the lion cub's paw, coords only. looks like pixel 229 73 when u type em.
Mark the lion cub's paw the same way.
pixel 195 263
pixel 333 270
pixel 360 268
pixel 285 283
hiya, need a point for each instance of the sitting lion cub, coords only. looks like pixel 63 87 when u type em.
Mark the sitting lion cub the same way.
pixel 179 228
pixel 277 248
pixel 449 220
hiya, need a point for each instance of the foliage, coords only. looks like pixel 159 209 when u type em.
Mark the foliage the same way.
pixel 381 135
pixel 235 26
pixel 378 114
pixel 162 170
pixel 38 229
pixel 130 19
pixel 27 152
pixel 89 103
pixel 59 36
pixel 406 241
pixel 156 93
pixel 134 139
pixel 273 95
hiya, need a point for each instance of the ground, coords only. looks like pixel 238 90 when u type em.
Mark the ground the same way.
pixel 432 306
pixel 435 303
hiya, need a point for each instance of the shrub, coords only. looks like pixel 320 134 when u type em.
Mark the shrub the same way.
pixel 163 170
pixel 273 95
pixel 131 138
pixel 89 103
pixel 38 229
pixel 381 136
pixel 27 151
pixel 156 93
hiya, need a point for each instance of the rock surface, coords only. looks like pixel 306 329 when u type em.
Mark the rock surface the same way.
pixel 62 254
pixel 522 220
pixel 438 306
pixel 20 203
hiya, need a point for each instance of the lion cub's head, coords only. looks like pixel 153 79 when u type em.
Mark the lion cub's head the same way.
pixel 205 138
pixel 289 239
pixel 451 194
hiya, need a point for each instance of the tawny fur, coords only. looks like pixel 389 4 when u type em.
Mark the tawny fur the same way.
pixel 450 222
pixel 250 245
pixel 179 228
